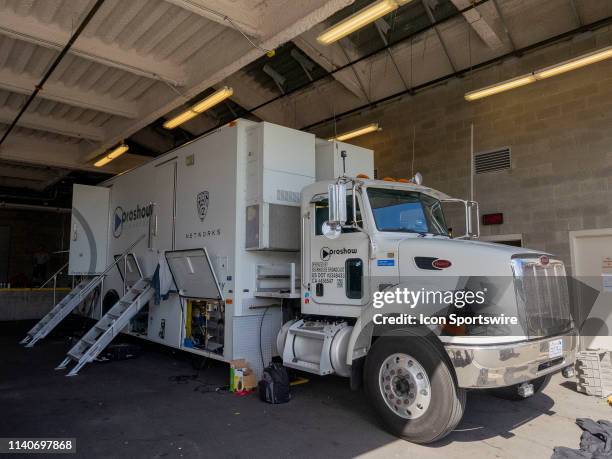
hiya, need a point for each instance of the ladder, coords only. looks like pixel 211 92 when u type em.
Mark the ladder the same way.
pixel 109 326
pixel 61 310
pixel 70 302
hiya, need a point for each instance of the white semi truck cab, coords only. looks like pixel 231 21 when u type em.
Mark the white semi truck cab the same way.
pixel 378 266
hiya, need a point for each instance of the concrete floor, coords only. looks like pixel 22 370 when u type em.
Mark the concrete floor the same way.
pixel 139 408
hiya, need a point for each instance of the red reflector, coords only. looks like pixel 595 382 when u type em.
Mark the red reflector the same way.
pixel 493 219
pixel 306 301
pixel 441 264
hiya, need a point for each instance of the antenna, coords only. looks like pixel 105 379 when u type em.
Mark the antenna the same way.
pixel 413 142
pixel 343 156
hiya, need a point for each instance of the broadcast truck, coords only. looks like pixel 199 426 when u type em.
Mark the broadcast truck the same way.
pixel 257 241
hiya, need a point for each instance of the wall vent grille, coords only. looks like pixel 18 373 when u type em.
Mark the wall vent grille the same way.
pixel 288 196
pixel 493 161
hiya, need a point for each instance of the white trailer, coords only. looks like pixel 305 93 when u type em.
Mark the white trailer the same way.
pixel 278 243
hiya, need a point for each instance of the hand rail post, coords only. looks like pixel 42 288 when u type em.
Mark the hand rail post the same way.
pixel 54 288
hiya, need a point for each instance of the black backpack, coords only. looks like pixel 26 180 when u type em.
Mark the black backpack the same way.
pixel 274 385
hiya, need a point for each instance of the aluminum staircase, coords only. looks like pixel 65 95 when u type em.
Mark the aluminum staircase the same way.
pixel 59 312
pixel 109 326
pixel 72 300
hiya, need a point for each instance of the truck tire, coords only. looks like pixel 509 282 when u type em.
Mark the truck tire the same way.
pixel 412 388
pixel 511 392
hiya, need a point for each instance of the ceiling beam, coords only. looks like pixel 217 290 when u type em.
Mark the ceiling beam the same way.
pixel 24 84
pixel 480 19
pixel 211 66
pixel 218 10
pixel 52 124
pixel 326 57
pixel 30 150
pixel 31 30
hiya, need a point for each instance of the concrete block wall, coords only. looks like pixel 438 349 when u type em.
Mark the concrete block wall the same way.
pixel 559 131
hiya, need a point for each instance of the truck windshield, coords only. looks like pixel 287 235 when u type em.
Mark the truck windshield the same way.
pixel 406 211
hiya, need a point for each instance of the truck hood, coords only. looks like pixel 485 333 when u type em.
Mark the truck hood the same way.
pixel 467 257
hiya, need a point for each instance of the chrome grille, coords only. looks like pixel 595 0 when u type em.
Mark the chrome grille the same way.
pixel 541 290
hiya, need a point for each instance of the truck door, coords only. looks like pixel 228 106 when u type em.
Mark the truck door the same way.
pixel 164 209
pixel 338 267
pixel 89 229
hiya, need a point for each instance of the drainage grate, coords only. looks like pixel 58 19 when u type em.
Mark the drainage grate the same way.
pixel 492 161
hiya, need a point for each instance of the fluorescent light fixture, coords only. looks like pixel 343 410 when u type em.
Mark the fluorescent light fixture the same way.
pixel 358 20
pixel 547 72
pixel 115 153
pixel 212 100
pixel 573 64
pixel 357 132
pixel 500 87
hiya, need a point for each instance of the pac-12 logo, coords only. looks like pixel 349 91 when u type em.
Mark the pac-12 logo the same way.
pixel 202 201
pixel 118 221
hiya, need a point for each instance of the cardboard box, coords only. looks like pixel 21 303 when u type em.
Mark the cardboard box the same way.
pixel 241 376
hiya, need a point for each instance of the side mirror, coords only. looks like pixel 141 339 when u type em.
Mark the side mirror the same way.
pixel 337 203
pixel 336 194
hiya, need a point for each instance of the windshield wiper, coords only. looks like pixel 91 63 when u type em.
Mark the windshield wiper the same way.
pixel 405 230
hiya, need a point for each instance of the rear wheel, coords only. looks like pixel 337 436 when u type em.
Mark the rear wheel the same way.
pixel 511 392
pixel 412 388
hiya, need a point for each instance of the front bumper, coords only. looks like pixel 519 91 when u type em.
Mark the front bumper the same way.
pixel 485 367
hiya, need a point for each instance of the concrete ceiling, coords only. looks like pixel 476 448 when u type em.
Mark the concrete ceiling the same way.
pixel 135 62
pixel 141 61
pixel 450 44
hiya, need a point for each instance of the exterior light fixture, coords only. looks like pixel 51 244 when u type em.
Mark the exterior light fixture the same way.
pixel 547 72
pixel 360 19
pixel 114 154
pixel 357 132
pixel 212 100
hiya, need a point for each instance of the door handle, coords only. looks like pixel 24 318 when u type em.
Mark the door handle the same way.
pixel 74 232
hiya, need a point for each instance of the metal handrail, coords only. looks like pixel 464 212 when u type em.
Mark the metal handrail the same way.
pixel 57 273
pixel 123 255
pixel 54 278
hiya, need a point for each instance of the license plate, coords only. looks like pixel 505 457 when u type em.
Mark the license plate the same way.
pixel 555 348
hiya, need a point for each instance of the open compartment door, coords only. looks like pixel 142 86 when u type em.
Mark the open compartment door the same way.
pixel 89 229
pixel 131 265
pixel 193 274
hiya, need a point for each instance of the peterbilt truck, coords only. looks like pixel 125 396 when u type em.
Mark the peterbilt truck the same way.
pixel 280 245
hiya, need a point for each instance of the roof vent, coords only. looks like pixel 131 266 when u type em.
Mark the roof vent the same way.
pixel 492 161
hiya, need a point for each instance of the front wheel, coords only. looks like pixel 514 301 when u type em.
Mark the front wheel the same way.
pixel 412 389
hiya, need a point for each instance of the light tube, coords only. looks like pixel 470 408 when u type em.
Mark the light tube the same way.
pixel 115 153
pixel 209 102
pixel 357 132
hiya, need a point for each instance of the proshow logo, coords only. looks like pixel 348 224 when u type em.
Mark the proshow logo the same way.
pixel 121 217
pixel 326 252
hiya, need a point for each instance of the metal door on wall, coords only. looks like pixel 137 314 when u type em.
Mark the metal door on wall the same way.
pixel 591 254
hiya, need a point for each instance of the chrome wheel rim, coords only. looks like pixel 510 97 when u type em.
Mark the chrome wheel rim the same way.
pixel 404 386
